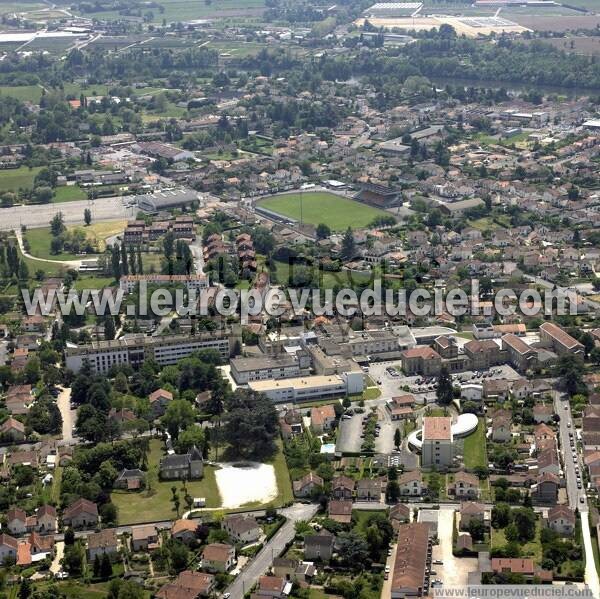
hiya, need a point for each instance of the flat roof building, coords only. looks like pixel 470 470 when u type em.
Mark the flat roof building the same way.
pixel 134 349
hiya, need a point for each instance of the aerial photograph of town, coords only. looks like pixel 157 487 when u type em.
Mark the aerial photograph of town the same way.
pixel 299 299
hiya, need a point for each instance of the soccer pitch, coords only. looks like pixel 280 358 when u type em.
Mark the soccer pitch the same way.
pixel 335 211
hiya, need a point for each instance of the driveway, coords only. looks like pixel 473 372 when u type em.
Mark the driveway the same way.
pixel 385 442
pixel 63 401
pixel 455 571
pixel 60 550
pixel 263 560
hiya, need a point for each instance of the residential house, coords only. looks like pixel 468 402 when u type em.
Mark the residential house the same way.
pixel 542 413
pixel 159 400
pixel 188 466
pixel 547 488
pixel 561 519
pixel 465 486
pixel 411 483
pixel 8 548
pixel 12 430
pixel 271 586
pixel 242 529
pixel 342 487
pixel 103 542
pixel 340 510
pixel 307 484
pixel 145 538
pixel 188 585
pixel 82 513
pixel 470 511
pixel 218 557
pixel 322 418
pixel 184 530
pixel 319 546
pixel 16 521
pixel 130 479
pixel 46 519
pixel 369 489
pixel 399 514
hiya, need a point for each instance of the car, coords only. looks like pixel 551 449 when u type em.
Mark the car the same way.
pixel 226 595
pixel 579 485
pixel 569 424
pixel 346 417
pixel 438 562
pixel 582 500
pixel 387 569
pixel 433 573
pixel 379 382
pixel 566 406
pixel 61 575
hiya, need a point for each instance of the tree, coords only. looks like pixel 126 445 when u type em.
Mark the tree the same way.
pixel 57 224
pixel 87 216
pixel 116 262
pixel 353 550
pixel 524 521
pixel 348 245
pixel 397 438
pixel 392 491
pixel 501 515
pixel 444 391
pixel 252 425
pixel 43 195
pixel 109 327
pixel 168 245
pixel 192 436
pixel 322 231
pixel 106 569
pixel 179 414
pixel 124 262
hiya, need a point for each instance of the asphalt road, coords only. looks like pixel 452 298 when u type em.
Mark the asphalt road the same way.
pixel 40 215
pixel 263 560
pixel 577 497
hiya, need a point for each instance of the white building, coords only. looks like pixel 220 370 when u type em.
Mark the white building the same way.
pixel 128 283
pixel 134 349
pixel 310 387
pixel 437 449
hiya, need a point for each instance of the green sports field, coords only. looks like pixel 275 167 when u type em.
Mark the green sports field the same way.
pixel 337 212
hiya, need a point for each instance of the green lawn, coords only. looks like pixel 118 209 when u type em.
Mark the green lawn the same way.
pixel 15 178
pixel 285 493
pixel 531 549
pixel 475 452
pixel 33 93
pixel 93 283
pixel 337 212
pixel 140 507
pixel 325 279
pixel 69 193
pixel 39 245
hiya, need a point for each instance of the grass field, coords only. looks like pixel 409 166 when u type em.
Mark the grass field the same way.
pixel 475 452
pixel 326 280
pixel 69 193
pixel 93 283
pixel 337 212
pixel 15 178
pixel 39 239
pixel 531 549
pixel 139 507
pixel 33 93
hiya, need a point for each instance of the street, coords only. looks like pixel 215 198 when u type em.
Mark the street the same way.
pixel 263 560
pixel 577 497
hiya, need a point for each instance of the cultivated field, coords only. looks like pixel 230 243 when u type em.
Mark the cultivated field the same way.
pixel 321 207
pixel 546 23
pixel 589 46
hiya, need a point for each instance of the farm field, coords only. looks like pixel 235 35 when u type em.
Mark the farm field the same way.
pixel 589 46
pixel 16 178
pixel 33 93
pixel 337 212
pixel 187 10
pixel 237 50
pixel 557 23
